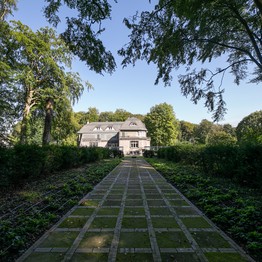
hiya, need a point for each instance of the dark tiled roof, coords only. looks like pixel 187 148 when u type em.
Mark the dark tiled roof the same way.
pixel 131 123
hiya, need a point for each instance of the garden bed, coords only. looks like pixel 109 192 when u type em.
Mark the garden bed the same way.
pixel 26 213
pixel 237 210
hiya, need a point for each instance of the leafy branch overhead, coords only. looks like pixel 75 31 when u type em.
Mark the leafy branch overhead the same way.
pixel 82 32
pixel 184 32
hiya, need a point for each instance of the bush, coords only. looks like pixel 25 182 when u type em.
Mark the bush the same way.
pixel 242 164
pixel 149 153
pixel 26 161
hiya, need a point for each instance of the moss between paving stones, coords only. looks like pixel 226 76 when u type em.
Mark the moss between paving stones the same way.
pixel 96 240
pixel 137 211
pixel 90 257
pixel 104 222
pixel 134 202
pixel 172 240
pixel 59 239
pixel 171 196
pixel 180 257
pixel 195 222
pixel 156 202
pixel 132 257
pixel 138 222
pixel 178 202
pixel 225 257
pixel 210 239
pixel 114 197
pixel 133 197
pixel 134 240
pixel 108 211
pixel 90 202
pixel 43 257
pixel 82 212
pixel 73 222
pixel 160 211
pixel 185 211
pixel 112 202
pixel 164 222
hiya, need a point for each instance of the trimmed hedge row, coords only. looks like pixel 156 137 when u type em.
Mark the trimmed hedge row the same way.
pixel 242 164
pixel 24 161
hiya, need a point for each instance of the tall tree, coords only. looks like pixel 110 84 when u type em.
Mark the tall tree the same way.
pixel 249 129
pixel 6 7
pixel 121 115
pixel 204 130
pixel 93 114
pixel 82 31
pixel 38 61
pixel 187 131
pixel 183 32
pixel 162 126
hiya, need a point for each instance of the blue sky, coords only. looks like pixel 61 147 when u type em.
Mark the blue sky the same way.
pixel 133 88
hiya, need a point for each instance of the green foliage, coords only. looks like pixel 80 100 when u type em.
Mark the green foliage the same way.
pixel 183 32
pixel 162 126
pixel 28 217
pixel 187 130
pixel 185 153
pixel 32 161
pixel 241 164
pixel 221 138
pixel 249 130
pixel 149 153
pixel 36 63
pixel 236 209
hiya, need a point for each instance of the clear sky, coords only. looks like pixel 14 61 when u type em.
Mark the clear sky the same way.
pixel 133 88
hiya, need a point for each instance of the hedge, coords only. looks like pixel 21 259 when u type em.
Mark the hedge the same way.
pixel 26 161
pixel 242 164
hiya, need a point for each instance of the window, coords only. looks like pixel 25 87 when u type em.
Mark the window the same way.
pixel 123 134
pixel 98 137
pixel 133 124
pixel 93 144
pixel 97 128
pixel 134 144
pixel 110 128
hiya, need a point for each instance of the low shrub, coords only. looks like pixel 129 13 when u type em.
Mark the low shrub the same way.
pixel 25 161
pixel 149 153
pixel 242 164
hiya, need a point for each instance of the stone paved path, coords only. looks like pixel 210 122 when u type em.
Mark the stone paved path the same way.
pixel 134 215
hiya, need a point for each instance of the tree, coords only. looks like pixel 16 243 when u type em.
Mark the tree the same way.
pixel 203 130
pixel 121 115
pixel 93 114
pixel 221 138
pixel 106 116
pixel 187 131
pixel 37 63
pixel 82 31
pixel 249 129
pixel 183 32
pixel 6 7
pixel 162 126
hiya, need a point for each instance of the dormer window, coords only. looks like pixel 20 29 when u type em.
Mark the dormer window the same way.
pixel 110 128
pixel 97 128
pixel 133 124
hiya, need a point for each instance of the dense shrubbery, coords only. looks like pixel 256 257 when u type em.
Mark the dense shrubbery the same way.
pixel 24 161
pixel 239 163
pixel 149 153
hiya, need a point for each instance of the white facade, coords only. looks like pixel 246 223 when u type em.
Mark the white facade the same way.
pixel 129 136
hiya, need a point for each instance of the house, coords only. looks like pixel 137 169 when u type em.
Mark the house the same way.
pixel 129 136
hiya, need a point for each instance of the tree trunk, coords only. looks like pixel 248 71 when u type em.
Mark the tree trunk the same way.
pixel 48 121
pixel 26 118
